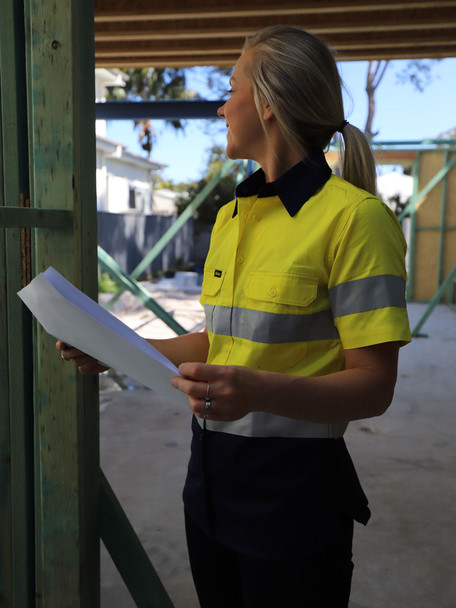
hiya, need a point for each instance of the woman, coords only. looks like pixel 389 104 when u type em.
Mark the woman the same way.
pixel 304 298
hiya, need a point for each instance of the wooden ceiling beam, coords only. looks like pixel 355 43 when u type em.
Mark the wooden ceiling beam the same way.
pixel 233 46
pixel 395 52
pixel 166 62
pixel 181 33
pixel 228 60
pixel 413 19
pixel 134 10
pixel 171 48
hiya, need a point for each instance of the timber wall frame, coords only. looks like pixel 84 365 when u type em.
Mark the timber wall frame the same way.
pixel 432 212
pixel 55 503
pixel 49 474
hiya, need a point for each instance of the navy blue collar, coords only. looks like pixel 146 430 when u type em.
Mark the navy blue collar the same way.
pixel 294 187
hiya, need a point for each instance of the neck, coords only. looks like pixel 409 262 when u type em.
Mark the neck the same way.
pixel 279 156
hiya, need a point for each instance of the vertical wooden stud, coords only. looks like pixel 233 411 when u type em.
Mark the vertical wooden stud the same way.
pixel 60 62
pixel 16 423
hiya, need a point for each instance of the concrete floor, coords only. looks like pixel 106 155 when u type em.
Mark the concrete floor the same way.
pixel 404 558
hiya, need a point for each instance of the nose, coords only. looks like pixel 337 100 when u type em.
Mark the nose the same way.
pixel 221 111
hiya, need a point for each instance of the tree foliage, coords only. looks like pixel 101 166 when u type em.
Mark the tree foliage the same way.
pixel 449 134
pixel 221 194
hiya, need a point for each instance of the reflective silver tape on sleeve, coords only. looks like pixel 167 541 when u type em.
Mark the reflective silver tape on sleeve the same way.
pixel 370 293
pixel 269 327
pixel 262 424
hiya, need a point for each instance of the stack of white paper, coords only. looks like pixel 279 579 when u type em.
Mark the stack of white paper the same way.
pixel 69 315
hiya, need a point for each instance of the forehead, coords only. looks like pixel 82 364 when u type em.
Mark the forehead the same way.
pixel 240 69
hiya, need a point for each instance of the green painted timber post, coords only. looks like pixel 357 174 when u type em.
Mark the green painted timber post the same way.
pixel 59 43
pixel 16 379
pixel 411 248
pixel 442 221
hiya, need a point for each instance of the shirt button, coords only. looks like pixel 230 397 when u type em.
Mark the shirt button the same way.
pixel 256 217
pixel 240 259
pixel 273 292
pixel 226 348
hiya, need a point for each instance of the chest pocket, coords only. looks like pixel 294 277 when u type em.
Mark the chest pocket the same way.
pixel 292 293
pixel 212 283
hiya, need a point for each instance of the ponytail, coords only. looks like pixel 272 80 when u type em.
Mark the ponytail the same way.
pixel 357 160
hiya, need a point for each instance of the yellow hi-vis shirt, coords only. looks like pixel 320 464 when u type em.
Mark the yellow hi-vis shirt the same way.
pixel 289 293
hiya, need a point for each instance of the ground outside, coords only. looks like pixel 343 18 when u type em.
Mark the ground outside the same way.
pixel 406 460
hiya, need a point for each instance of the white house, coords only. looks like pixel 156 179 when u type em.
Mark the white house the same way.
pixel 124 179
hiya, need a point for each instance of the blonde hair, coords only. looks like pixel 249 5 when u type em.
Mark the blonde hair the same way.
pixel 296 74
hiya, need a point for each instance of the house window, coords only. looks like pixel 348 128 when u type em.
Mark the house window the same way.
pixel 131 198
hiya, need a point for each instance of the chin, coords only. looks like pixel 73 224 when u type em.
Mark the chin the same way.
pixel 232 154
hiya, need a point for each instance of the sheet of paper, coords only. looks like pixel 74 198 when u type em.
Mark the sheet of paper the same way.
pixel 69 315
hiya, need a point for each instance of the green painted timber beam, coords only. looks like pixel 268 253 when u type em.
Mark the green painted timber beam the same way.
pixel 416 198
pixel 128 554
pixel 444 287
pixel 22 217
pixel 128 283
pixel 176 226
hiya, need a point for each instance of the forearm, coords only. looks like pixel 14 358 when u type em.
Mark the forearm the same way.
pixel 189 347
pixel 351 394
pixel 363 389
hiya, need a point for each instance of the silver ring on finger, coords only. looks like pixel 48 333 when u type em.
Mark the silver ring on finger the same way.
pixel 207 401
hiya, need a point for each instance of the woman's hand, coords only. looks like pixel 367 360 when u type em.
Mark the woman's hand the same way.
pixel 362 390
pixel 85 363
pixel 233 390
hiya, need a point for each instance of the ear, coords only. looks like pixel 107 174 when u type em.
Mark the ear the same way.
pixel 268 114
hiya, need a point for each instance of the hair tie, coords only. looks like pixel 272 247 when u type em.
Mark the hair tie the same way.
pixel 341 128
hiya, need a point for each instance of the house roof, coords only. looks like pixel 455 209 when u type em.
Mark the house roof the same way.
pixel 179 33
pixel 121 153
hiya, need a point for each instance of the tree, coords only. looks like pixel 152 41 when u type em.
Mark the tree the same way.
pixel 450 134
pixel 417 72
pixel 375 72
pixel 153 84
pixel 221 194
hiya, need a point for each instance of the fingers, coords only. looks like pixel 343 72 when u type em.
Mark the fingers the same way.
pixel 196 390
pixel 86 364
pixel 205 372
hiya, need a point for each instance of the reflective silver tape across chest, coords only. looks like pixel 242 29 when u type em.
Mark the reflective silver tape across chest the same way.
pixel 262 424
pixel 269 327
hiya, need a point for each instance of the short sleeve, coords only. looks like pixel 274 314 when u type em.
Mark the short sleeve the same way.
pixel 368 278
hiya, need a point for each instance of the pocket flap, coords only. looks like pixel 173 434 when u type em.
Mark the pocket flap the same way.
pixel 212 281
pixel 292 289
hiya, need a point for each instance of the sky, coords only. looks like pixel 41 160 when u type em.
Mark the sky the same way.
pixel 402 114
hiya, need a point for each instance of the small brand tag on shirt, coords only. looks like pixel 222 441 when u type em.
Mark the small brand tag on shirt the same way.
pixel 217 273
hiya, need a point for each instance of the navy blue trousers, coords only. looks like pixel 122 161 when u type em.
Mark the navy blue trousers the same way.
pixel 226 579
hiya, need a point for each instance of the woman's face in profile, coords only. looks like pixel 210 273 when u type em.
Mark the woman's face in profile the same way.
pixel 245 135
